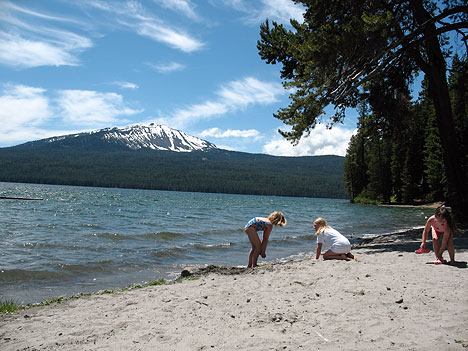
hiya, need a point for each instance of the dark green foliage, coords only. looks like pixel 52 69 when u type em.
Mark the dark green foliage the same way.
pixel 355 166
pixel 458 81
pixel 417 162
pixel 434 170
pixel 215 171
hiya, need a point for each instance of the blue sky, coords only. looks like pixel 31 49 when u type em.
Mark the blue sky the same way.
pixel 72 66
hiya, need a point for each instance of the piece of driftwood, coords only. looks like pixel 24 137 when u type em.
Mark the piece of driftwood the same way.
pixel 19 198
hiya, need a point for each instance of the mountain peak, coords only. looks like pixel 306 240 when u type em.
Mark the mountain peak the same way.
pixel 140 136
pixel 156 137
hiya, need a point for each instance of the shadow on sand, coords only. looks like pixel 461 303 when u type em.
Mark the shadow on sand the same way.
pixel 410 241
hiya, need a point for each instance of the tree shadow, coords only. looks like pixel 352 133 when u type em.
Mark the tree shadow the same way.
pixel 459 264
pixel 408 242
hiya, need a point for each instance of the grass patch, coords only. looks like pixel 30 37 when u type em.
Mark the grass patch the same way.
pixel 156 282
pixel 8 306
pixel 464 343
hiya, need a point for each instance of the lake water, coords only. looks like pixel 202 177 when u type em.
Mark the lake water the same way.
pixel 82 239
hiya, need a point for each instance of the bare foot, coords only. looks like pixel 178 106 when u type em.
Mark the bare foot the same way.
pixel 351 256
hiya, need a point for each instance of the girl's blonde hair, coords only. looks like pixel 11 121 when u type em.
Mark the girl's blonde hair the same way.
pixel 322 225
pixel 277 218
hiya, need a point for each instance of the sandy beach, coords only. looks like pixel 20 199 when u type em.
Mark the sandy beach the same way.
pixel 390 299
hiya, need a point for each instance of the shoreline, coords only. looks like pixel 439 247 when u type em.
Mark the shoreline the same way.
pixel 171 274
pixel 433 205
pixel 388 299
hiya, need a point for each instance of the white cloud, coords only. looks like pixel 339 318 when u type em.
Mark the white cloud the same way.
pixel 26 112
pixel 126 85
pixel 231 97
pixel 91 108
pixel 321 141
pixel 175 38
pixel 183 117
pixel 167 67
pixel 22 111
pixel 230 133
pixel 276 10
pixel 135 17
pixel 180 6
pixel 280 11
pixel 33 39
pixel 250 91
pixel 8 8
pixel 22 105
pixel 16 51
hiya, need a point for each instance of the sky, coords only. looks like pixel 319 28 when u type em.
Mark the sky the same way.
pixel 75 66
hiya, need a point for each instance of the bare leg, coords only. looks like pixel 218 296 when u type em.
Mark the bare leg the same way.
pixel 256 247
pixel 436 244
pixel 330 255
pixel 451 249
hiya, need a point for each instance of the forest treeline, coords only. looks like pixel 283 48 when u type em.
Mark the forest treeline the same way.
pixel 214 171
pixel 396 155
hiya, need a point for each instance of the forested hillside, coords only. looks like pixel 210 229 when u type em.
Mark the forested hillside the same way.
pixel 217 171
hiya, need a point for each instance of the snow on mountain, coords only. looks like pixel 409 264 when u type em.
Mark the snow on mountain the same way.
pixel 156 137
pixel 140 136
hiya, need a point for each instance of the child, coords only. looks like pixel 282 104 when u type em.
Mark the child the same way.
pixel 340 248
pixel 265 225
pixel 441 225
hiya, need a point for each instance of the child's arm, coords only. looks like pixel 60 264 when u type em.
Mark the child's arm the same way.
pixel 319 250
pixel 265 237
pixel 427 227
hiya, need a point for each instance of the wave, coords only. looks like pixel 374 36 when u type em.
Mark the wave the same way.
pixel 211 246
pixel 168 236
pixel 293 239
pixel 20 275
pixel 175 252
pixel 50 245
pixel 58 272
pixel 164 236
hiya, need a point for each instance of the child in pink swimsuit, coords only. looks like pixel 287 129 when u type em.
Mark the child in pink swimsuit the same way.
pixel 265 225
pixel 442 227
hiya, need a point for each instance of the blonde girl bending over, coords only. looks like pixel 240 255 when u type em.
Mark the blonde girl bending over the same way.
pixel 265 225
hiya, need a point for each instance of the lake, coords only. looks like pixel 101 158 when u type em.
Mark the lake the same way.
pixel 83 239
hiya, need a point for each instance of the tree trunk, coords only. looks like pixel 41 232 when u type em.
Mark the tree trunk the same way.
pixel 438 90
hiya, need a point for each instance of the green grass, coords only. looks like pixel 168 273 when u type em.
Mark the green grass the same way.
pixel 8 306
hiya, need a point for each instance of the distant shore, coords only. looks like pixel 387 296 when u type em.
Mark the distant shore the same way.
pixel 391 298
pixel 422 205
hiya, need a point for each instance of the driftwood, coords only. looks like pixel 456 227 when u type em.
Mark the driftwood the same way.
pixel 19 198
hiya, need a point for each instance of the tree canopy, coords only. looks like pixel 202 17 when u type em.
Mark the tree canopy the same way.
pixel 349 51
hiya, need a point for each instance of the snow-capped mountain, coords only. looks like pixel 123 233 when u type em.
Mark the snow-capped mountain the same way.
pixel 141 136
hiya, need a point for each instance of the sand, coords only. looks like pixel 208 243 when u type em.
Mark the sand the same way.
pixel 390 299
